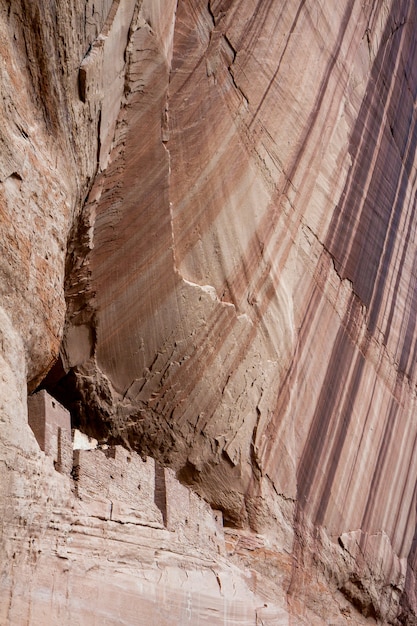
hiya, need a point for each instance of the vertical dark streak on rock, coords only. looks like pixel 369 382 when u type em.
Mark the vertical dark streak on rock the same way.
pixel 404 252
pixel 341 431
pixel 391 237
pixel 378 470
pixel 408 599
pixel 266 229
pixel 362 240
pixel 408 335
pixel 256 23
pixel 326 433
pixel 412 516
pixel 272 82
pixel 39 54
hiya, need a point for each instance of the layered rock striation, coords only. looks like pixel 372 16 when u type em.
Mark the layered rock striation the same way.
pixel 208 210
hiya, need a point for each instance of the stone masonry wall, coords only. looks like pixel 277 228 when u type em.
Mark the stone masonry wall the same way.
pixel 118 485
pixel 51 425
pixel 118 482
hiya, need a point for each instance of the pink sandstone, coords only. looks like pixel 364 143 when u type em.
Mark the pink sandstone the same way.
pixel 207 221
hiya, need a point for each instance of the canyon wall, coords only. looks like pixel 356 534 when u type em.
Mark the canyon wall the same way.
pixel 208 256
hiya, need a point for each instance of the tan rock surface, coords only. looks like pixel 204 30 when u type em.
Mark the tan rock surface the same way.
pixel 226 190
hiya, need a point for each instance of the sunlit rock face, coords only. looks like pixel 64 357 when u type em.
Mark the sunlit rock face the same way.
pixel 224 194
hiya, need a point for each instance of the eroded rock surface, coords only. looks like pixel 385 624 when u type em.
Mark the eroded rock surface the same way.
pixel 222 194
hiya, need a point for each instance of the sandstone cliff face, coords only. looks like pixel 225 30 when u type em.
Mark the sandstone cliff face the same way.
pixel 208 209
